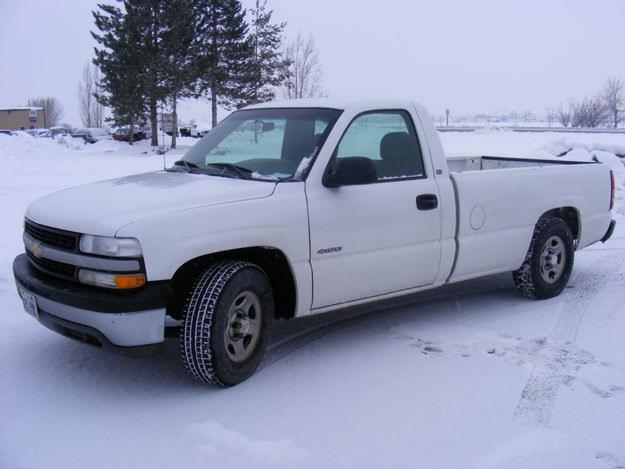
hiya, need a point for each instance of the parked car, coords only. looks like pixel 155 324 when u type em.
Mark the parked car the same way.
pixel 100 134
pixel 53 132
pixel 91 135
pixel 123 135
pixel 7 132
pixel 197 130
pixel 85 134
pixel 354 197
pixel 36 132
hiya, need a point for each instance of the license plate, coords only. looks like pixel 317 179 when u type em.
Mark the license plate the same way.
pixel 30 303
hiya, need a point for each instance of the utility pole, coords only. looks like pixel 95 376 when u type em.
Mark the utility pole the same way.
pixel 447 117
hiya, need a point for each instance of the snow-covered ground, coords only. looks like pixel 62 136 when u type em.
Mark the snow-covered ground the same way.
pixel 472 375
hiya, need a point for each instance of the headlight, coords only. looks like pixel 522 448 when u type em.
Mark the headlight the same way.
pixel 102 279
pixel 113 247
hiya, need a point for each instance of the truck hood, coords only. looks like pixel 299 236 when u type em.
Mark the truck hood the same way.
pixel 102 208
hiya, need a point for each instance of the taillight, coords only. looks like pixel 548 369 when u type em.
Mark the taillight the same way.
pixel 612 190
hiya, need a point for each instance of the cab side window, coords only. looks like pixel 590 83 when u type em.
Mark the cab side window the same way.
pixel 388 138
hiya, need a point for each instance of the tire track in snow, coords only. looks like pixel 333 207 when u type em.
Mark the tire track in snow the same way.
pixel 559 356
pixel 609 459
pixel 290 345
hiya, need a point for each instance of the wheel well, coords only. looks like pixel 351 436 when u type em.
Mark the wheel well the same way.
pixel 271 260
pixel 569 215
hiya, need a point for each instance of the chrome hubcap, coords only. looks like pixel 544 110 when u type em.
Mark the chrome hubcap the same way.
pixel 552 260
pixel 243 326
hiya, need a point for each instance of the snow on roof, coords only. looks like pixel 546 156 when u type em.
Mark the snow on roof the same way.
pixel 335 103
pixel 21 108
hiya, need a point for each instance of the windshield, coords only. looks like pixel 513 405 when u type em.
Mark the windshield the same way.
pixel 265 144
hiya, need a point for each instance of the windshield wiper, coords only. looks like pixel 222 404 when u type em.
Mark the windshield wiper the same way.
pixel 186 164
pixel 183 166
pixel 233 170
pixel 242 172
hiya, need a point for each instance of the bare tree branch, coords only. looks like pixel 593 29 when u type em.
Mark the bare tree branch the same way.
pixel 86 88
pixel 305 70
pixel 53 109
pixel 563 113
pixel 97 108
pixel 91 111
pixel 589 112
pixel 614 99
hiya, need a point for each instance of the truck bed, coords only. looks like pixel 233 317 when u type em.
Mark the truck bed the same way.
pixel 496 210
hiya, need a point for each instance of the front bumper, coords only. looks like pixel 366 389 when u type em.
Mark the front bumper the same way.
pixel 131 323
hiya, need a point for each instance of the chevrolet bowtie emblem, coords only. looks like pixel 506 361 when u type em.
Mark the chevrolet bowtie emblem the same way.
pixel 36 250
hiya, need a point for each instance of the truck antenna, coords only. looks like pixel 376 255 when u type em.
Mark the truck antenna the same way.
pixel 163 139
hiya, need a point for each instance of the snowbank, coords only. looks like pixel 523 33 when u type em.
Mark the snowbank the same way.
pixel 25 145
pixel 502 142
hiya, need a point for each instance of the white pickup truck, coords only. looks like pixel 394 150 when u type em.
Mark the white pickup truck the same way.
pixel 295 208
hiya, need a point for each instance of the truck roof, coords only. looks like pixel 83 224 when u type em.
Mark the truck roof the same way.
pixel 334 103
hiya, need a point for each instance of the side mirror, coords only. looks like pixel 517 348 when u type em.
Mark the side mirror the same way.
pixel 267 126
pixel 351 171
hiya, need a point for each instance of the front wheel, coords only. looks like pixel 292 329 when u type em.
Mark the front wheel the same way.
pixel 549 260
pixel 228 318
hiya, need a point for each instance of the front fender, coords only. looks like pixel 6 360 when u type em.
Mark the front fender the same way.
pixel 280 221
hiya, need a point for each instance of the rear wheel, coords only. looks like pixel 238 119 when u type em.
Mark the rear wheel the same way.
pixel 549 260
pixel 228 318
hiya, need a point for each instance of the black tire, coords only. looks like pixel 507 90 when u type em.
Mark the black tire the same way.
pixel 530 279
pixel 208 314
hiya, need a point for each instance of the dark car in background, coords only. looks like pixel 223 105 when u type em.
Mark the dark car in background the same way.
pixel 85 135
pixel 123 135
pixel 91 135
pixel 56 131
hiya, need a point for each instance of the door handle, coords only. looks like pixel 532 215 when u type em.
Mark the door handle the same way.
pixel 427 202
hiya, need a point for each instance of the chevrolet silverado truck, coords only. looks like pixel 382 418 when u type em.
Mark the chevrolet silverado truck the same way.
pixel 294 208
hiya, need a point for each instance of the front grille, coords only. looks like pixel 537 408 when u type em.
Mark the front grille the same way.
pixel 52 236
pixel 58 269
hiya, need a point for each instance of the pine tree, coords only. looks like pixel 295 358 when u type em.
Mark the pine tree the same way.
pixel 144 19
pixel 149 56
pixel 121 86
pixel 269 66
pixel 179 55
pixel 225 63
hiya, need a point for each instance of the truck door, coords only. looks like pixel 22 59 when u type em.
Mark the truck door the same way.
pixel 380 237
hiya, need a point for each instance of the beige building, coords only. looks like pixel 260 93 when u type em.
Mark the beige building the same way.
pixel 23 118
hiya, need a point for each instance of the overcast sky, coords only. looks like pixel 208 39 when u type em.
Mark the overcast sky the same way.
pixel 468 56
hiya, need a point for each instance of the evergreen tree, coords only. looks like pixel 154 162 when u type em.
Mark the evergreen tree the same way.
pixel 144 19
pixel 155 51
pixel 179 55
pixel 225 63
pixel 121 85
pixel 269 67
